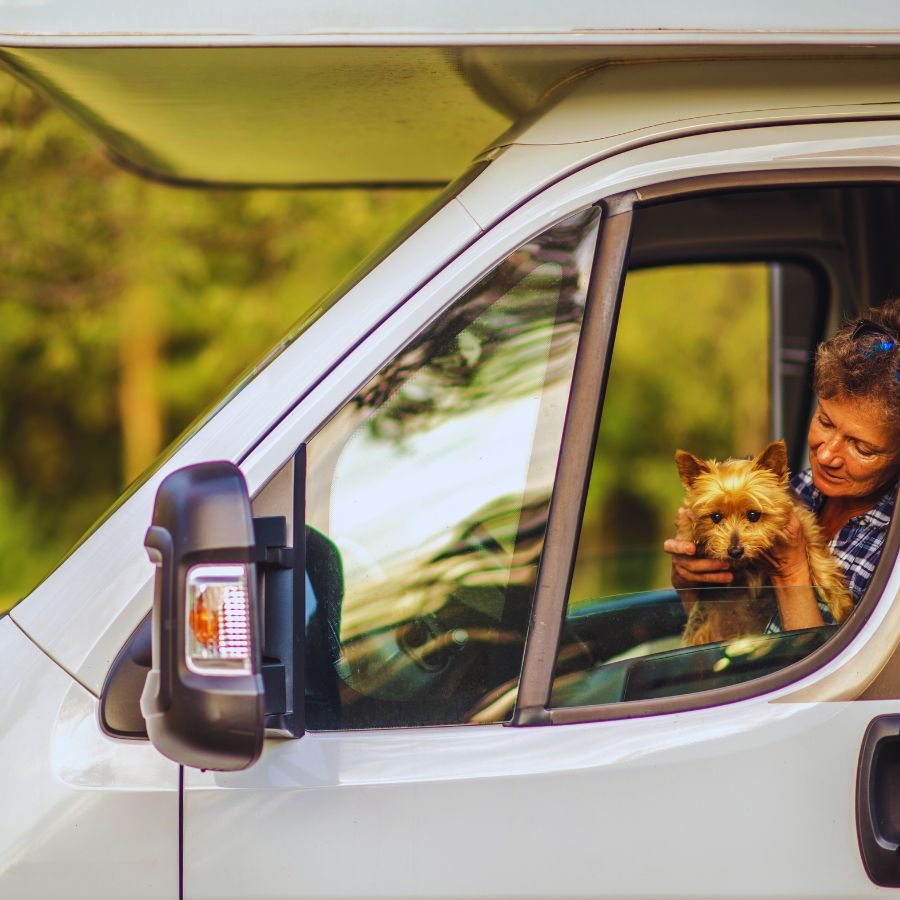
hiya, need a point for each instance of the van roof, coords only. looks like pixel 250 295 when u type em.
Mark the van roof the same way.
pixel 333 92
pixel 445 22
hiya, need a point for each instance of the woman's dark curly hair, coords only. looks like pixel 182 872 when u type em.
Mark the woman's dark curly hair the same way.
pixel 863 361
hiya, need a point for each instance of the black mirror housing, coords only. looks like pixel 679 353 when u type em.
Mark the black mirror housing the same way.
pixel 205 713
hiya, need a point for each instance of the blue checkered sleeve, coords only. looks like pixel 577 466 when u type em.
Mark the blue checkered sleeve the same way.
pixel 856 547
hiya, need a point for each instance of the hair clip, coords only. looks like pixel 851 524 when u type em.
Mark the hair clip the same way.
pixel 886 340
pixel 880 347
pixel 866 327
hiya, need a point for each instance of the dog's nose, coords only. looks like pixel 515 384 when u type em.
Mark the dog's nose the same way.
pixel 735 552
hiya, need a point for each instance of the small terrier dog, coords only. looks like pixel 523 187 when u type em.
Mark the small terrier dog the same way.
pixel 739 508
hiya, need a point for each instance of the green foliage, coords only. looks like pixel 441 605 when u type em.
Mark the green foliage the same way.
pixel 128 306
pixel 689 371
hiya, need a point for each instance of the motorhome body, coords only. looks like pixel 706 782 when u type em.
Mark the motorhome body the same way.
pixel 626 146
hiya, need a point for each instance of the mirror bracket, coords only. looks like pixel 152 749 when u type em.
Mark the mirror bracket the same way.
pixel 282 606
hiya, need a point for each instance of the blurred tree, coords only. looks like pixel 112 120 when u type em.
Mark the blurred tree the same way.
pixel 696 381
pixel 128 306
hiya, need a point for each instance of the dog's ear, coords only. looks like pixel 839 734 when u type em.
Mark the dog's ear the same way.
pixel 774 457
pixel 690 467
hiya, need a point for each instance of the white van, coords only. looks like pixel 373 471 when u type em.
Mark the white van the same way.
pixel 445 658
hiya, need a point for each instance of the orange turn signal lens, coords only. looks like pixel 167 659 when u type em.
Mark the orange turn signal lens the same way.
pixel 204 622
pixel 218 620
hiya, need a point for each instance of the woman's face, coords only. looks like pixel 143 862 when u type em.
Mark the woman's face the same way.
pixel 851 451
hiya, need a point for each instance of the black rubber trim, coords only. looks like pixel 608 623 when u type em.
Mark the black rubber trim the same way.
pixel 120 711
pixel 766 179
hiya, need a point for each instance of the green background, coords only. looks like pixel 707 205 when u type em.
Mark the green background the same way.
pixel 127 307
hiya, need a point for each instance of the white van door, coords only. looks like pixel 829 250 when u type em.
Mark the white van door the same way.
pixel 498 702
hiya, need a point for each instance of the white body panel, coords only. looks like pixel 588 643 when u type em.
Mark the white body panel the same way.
pixel 83 816
pixel 531 21
pixel 753 799
pixel 699 804
pixel 621 101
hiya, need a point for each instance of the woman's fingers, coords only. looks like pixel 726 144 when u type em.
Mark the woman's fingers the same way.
pixel 702 564
pixel 718 573
pixel 684 548
pixel 698 580
pixel 688 570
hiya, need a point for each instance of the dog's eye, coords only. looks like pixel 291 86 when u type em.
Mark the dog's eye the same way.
pixel 716 517
pixel 753 515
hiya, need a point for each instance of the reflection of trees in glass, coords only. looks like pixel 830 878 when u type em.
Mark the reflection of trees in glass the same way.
pixel 473 596
pixel 496 548
pixel 457 364
pixel 511 337
pixel 505 537
pixel 476 403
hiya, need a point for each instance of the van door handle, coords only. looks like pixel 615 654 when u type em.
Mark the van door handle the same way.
pixel 878 801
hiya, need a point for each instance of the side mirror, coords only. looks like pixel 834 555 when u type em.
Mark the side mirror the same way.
pixel 203 700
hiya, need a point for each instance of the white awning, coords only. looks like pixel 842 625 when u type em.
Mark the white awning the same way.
pixel 342 92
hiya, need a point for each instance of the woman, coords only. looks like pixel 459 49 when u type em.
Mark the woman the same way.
pixel 851 482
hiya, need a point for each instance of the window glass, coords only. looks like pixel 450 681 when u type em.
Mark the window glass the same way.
pixel 690 370
pixel 427 501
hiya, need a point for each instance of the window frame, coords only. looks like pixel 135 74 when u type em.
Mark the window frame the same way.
pixel 579 435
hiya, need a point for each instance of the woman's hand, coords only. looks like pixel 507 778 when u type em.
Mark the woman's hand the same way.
pixel 688 569
pixel 788 557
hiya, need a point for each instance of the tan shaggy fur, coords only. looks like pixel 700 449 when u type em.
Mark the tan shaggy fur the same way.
pixel 724 499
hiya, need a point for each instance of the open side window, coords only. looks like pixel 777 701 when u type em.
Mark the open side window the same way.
pixel 726 298
pixel 694 368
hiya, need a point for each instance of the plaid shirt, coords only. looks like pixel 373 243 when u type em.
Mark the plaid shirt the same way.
pixel 857 546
